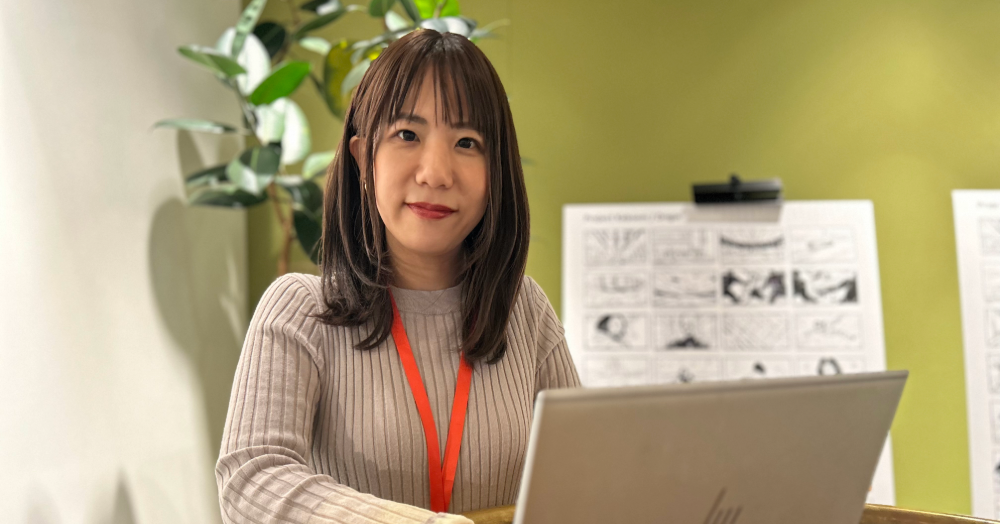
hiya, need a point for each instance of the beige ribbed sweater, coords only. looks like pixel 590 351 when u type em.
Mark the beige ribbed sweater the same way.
pixel 318 431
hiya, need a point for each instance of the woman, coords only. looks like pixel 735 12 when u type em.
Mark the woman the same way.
pixel 398 387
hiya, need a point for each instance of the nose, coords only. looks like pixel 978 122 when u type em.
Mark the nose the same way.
pixel 436 165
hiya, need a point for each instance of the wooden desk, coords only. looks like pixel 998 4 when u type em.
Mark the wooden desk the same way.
pixel 873 514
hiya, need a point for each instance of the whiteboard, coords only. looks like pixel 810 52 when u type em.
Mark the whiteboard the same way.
pixel 977 235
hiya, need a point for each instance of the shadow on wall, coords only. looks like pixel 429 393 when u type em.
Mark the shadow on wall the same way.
pixel 122 510
pixel 197 269
pixel 42 508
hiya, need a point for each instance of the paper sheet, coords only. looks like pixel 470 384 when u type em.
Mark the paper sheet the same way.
pixel 977 234
pixel 667 293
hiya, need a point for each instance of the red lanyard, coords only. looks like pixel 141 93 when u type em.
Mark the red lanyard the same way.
pixel 442 475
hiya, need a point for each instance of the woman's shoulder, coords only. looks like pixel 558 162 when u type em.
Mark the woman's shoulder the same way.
pixel 532 296
pixel 291 295
pixel 534 311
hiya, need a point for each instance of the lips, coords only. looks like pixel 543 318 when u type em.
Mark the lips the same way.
pixel 428 210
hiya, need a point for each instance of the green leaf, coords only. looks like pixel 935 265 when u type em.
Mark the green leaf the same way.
pixel 225 195
pixel 253 58
pixel 306 194
pixel 318 22
pixel 412 10
pixel 196 124
pixel 212 59
pixel 316 45
pixel 321 7
pixel 316 164
pixel 450 24
pixel 272 35
pixel 281 83
pixel 395 22
pixel 307 212
pixel 254 169
pixel 211 176
pixel 309 231
pixel 296 141
pixel 428 7
pixel 487 30
pixel 354 77
pixel 378 8
pixel 248 19
pixel 335 69
pixel 270 121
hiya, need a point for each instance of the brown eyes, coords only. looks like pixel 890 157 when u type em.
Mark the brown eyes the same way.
pixel 409 136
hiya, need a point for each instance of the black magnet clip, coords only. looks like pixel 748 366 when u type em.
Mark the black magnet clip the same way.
pixel 737 191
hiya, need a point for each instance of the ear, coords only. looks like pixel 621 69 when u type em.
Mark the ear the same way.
pixel 355 147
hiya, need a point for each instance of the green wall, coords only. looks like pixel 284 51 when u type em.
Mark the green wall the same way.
pixel 897 102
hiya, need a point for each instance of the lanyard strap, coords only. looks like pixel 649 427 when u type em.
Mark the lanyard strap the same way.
pixel 442 475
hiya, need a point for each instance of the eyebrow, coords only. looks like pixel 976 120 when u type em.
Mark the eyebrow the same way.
pixel 416 119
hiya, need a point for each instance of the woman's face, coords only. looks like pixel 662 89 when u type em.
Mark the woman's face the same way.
pixel 430 179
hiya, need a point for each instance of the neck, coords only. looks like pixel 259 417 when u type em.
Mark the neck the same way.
pixel 424 272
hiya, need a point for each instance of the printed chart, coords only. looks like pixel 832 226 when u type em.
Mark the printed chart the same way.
pixel 977 234
pixel 677 293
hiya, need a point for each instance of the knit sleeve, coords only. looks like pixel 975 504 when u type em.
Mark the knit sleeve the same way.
pixel 555 368
pixel 262 472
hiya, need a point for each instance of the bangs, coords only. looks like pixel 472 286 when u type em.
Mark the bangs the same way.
pixel 462 87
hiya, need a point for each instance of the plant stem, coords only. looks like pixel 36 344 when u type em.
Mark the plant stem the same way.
pixel 286 230
pixel 286 46
pixel 249 120
pixel 295 14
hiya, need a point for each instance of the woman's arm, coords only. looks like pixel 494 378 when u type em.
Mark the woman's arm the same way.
pixel 555 365
pixel 262 472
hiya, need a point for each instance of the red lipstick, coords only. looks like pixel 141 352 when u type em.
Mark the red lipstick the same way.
pixel 428 210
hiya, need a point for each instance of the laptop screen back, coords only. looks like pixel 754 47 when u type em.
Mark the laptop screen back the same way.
pixel 754 452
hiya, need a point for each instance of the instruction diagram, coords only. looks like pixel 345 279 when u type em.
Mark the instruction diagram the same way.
pixel 977 236
pixel 677 293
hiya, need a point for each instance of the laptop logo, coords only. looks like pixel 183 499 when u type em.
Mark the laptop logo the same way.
pixel 721 514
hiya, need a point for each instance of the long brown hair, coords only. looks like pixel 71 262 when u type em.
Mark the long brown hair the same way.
pixel 357 269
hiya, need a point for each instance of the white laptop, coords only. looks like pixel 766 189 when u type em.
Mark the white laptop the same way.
pixel 776 451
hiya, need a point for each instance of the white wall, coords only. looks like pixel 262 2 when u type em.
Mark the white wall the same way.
pixel 122 310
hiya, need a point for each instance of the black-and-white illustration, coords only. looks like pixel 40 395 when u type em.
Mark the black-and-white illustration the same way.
pixel 831 365
pixel 822 245
pixel 995 470
pixel 758 368
pixel 991 283
pixel 825 287
pixel 685 288
pixel 754 287
pixel 989 235
pixel 993 372
pixel 727 292
pixel 617 289
pixel 614 330
pixel 683 246
pixel 993 328
pixel 752 246
pixel 615 246
pixel 617 371
pixel 758 331
pixel 685 331
pixel 828 330
pixel 688 370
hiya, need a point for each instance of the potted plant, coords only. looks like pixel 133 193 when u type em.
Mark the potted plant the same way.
pixel 252 59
